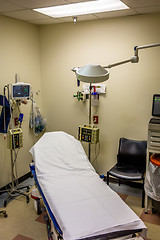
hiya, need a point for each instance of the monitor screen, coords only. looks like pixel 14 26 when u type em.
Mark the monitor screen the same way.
pixel 20 91
pixel 156 105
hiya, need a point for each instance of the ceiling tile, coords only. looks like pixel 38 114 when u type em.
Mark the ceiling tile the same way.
pixel 38 3
pixel 26 15
pixel 45 21
pixel 6 6
pixel 148 9
pixel 120 13
pixel 141 3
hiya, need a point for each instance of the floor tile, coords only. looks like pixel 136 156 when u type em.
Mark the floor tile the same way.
pixel 123 196
pixel 150 218
pixel 21 237
pixel 40 218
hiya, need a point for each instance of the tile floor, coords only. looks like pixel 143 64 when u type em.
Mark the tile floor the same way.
pixel 23 223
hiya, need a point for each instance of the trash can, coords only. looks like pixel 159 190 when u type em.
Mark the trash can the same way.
pixel 37 197
pixel 152 181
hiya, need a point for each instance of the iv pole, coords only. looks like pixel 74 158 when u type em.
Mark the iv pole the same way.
pixel 89 148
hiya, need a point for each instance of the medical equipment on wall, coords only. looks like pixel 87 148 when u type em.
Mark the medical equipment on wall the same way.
pixel 80 96
pixel 100 88
pixel 17 93
pixel 94 97
pixel 15 138
pixel 36 121
pixel 91 92
pixel 88 133
pixel 156 105
pixel 20 91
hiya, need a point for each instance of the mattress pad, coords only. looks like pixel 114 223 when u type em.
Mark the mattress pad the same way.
pixel 82 203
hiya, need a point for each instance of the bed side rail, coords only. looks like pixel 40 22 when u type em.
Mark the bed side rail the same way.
pixel 57 228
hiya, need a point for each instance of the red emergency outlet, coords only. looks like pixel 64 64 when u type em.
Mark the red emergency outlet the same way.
pixel 95 119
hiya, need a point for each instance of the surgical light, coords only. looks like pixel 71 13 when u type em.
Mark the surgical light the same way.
pixel 95 73
pixel 76 9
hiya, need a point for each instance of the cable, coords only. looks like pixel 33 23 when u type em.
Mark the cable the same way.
pixel 96 154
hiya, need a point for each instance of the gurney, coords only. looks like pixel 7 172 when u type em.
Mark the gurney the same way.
pixel 79 203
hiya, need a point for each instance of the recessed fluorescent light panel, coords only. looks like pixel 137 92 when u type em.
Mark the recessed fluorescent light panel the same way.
pixel 82 8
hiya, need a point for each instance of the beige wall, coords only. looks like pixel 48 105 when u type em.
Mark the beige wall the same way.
pixel 125 109
pixel 19 53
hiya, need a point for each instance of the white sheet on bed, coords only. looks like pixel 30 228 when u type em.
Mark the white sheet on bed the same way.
pixel 81 202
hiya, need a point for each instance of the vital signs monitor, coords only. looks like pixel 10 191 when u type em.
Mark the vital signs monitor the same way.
pixel 156 105
pixel 20 91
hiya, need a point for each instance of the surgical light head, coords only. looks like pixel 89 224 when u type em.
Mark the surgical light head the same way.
pixel 91 73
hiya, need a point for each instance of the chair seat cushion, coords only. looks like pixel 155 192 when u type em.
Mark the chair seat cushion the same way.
pixel 126 173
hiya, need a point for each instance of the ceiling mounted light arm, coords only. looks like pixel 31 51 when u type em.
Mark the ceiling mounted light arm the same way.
pixel 135 58
pixel 136 48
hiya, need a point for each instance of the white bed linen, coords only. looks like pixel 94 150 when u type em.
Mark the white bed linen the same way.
pixel 81 202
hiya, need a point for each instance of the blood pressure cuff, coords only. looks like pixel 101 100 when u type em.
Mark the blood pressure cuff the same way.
pixel 5 114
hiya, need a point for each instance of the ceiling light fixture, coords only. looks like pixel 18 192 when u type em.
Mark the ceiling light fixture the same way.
pixel 82 8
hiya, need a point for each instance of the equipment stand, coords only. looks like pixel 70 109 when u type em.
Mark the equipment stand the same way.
pixel 14 190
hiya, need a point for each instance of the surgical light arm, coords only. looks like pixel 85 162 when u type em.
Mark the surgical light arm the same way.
pixel 135 58
pixel 136 48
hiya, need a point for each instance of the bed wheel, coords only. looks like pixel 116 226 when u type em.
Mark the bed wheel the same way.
pixel 5 215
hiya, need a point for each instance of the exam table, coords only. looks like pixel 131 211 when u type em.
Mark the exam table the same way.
pixel 79 203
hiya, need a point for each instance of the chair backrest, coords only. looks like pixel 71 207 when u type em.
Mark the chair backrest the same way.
pixel 132 152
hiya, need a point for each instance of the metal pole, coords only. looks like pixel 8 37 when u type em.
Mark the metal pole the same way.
pixel 12 170
pixel 89 147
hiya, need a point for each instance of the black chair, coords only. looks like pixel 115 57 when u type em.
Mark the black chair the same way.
pixel 131 162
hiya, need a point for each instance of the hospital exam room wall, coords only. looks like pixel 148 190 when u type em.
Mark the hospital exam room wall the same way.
pixel 19 53
pixel 125 109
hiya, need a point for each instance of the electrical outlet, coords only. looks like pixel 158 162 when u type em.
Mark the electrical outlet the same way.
pixel 95 119
pixel 16 121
